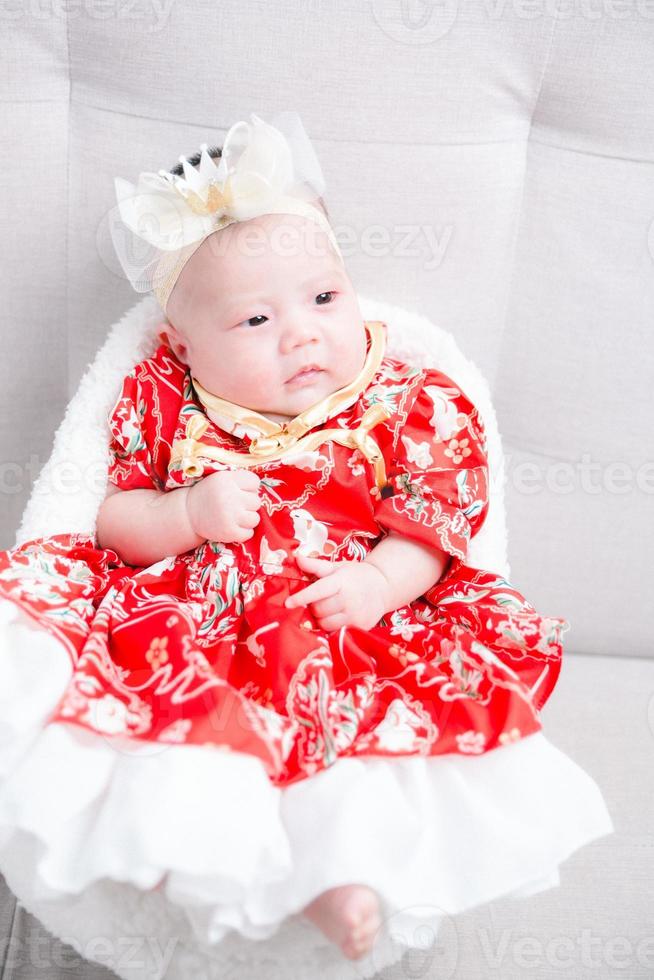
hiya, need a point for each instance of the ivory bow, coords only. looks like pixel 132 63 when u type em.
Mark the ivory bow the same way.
pixel 186 452
pixel 262 169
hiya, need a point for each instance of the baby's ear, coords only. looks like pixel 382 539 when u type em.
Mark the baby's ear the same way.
pixel 162 331
pixel 175 341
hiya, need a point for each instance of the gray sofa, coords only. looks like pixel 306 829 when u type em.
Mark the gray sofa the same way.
pixel 493 167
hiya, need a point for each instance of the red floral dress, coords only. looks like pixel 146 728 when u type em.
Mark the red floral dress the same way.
pixel 199 647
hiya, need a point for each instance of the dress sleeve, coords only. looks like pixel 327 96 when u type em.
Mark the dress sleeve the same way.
pixel 131 465
pixel 439 470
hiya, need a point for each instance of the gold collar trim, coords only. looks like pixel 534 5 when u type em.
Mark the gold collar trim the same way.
pixel 277 441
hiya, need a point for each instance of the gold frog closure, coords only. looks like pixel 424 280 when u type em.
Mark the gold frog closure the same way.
pixel 187 453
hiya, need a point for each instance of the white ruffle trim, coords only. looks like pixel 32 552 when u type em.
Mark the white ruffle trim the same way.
pixel 88 825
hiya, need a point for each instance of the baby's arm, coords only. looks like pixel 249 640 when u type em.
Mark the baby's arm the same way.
pixel 408 567
pixel 142 526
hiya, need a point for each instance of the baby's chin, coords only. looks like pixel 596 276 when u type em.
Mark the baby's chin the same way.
pixel 292 403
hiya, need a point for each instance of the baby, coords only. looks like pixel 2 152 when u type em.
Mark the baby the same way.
pixel 275 329
pixel 278 596
pixel 303 559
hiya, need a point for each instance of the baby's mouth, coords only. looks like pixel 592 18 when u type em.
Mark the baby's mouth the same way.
pixel 306 376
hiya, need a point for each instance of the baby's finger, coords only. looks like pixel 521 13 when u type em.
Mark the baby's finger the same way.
pixel 247 479
pixel 334 622
pixel 320 589
pixel 249 502
pixel 317 566
pixel 330 606
pixel 249 518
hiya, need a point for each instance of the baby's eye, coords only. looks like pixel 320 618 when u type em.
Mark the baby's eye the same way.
pixel 258 317
pixel 330 293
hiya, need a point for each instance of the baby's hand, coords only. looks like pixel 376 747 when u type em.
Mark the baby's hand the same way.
pixel 347 593
pixel 223 505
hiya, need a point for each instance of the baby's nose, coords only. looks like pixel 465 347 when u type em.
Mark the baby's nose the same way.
pixel 299 331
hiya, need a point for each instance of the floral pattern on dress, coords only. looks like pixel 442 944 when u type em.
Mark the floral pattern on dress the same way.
pixel 199 648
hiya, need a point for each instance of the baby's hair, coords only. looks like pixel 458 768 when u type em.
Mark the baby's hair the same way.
pixel 215 152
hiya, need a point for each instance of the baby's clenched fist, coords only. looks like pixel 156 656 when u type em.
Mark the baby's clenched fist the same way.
pixel 223 505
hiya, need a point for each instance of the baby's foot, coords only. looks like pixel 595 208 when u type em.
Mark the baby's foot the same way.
pixel 348 915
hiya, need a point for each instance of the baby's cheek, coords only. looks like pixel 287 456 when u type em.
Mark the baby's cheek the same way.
pixel 261 377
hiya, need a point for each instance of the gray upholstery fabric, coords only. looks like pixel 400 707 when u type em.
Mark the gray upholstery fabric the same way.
pixel 505 151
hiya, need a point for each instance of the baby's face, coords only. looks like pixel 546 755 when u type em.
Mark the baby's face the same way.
pixel 259 301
